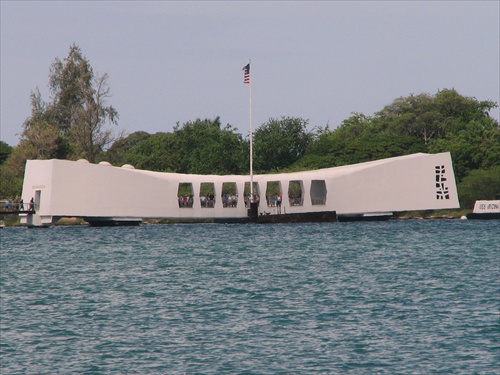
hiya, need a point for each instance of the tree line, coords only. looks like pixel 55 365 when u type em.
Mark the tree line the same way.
pixel 75 123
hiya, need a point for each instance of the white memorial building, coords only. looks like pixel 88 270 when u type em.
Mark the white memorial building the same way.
pixel 106 194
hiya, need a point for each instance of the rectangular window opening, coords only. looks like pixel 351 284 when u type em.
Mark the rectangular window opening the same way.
pixel 247 193
pixel 318 192
pixel 295 190
pixel 229 195
pixel 185 195
pixel 274 194
pixel 207 195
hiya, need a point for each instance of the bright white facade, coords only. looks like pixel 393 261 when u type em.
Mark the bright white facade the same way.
pixel 487 207
pixel 64 188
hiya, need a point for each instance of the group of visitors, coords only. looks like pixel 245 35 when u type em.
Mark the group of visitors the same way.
pixel 256 199
pixel 274 200
pixel 295 201
pixel 185 201
pixel 207 201
pixel 229 200
pixel 19 205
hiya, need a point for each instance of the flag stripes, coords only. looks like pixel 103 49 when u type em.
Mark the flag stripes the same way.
pixel 246 73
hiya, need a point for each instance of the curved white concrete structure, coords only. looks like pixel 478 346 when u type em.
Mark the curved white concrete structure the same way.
pixel 63 188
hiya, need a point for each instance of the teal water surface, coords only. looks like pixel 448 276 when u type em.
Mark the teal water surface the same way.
pixel 397 297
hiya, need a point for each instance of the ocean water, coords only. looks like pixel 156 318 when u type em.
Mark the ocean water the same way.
pixel 397 297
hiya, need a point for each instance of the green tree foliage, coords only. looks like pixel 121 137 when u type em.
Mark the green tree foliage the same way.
pixel 446 121
pixel 470 134
pixel 5 151
pixel 42 138
pixel 117 153
pixel 12 173
pixel 478 185
pixel 43 141
pixel 200 147
pixel 40 141
pixel 155 153
pixel 11 183
pixel 73 122
pixel 431 117
pixel 415 115
pixel 358 139
pixel 475 147
pixel 280 142
pixel 203 147
pixel 70 126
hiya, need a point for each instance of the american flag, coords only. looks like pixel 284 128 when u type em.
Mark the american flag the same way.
pixel 246 76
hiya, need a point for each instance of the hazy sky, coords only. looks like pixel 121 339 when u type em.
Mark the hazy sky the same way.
pixel 172 62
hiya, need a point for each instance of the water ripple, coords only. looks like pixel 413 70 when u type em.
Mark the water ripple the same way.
pixel 415 297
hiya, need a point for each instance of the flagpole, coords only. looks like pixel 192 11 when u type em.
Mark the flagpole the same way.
pixel 251 139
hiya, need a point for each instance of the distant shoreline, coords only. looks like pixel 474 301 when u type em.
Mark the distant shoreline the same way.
pixel 410 215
